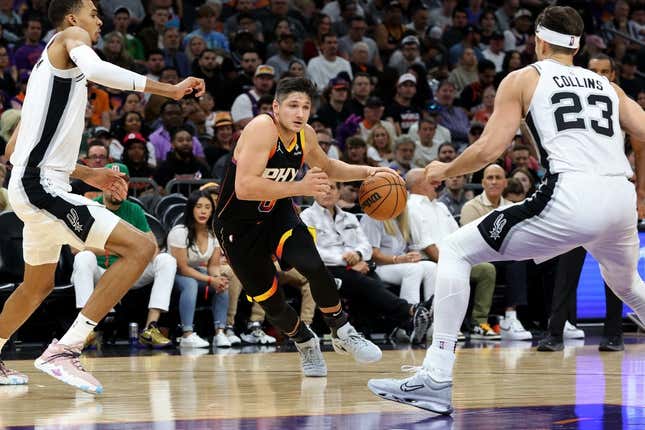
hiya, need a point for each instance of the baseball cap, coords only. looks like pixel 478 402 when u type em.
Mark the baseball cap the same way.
pixel 134 137
pixel 122 9
pixel 374 102
pixel 522 12
pixel 408 40
pixel 264 69
pixel 394 4
pixel 406 77
pixel 222 119
pixel 100 131
pixel 119 167
pixel 338 83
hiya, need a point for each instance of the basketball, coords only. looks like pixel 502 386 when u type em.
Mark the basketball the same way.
pixel 383 196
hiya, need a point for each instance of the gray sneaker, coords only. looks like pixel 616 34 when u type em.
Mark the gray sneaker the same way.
pixel 311 358
pixel 419 390
pixel 348 341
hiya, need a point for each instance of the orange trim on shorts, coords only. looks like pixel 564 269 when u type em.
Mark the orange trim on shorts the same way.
pixel 278 251
pixel 262 297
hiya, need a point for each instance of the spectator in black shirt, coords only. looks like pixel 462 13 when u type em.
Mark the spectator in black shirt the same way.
pixel 181 163
pixel 629 82
pixel 336 110
pixel 401 111
pixel 471 95
pixel 361 89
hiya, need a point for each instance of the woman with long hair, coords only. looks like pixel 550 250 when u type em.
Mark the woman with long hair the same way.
pixel 524 177
pixel 379 145
pixel 115 52
pixel 194 246
pixel 321 25
pixel 512 61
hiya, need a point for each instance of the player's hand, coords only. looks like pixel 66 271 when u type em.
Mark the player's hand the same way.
pixel 315 183
pixel 108 180
pixel 196 86
pixel 351 257
pixel 361 267
pixel 436 172
pixel 371 171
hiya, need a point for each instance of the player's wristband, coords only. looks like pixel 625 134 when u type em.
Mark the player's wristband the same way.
pixel 105 73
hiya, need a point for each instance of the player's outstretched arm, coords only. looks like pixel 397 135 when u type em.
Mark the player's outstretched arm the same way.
pixel 252 153
pixel 77 42
pixel 336 170
pixel 498 133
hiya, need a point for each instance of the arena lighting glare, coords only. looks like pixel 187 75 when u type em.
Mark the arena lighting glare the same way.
pixel 559 39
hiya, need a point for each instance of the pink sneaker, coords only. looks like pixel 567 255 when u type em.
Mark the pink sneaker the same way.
pixel 62 362
pixel 11 377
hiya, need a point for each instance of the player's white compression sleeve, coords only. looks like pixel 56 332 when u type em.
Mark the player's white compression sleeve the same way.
pixel 105 73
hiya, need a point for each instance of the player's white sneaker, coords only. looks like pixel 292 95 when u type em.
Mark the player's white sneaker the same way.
pixel 512 329
pixel 257 336
pixel 348 341
pixel 572 332
pixel 311 358
pixel 419 390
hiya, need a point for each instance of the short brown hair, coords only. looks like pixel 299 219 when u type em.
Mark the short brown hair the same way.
pixel 563 19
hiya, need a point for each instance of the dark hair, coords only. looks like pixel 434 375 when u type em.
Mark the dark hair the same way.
pixel 459 10
pixel 155 51
pixel 485 65
pixel 446 144
pixel 507 59
pixel 173 132
pixel 189 218
pixel 59 8
pixel 563 19
pixel 521 147
pixel 354 18
pixel 166 68
pixel 513 186
pixel 601 56
pixel 167 103
pixel 265 100
pixel 326 35
pixel 287 86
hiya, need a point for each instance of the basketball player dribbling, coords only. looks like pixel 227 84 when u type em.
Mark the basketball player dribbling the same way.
pixel 575 117
pixel 256 221
pixel 43 152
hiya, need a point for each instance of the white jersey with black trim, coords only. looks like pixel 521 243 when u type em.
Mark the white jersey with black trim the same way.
pixel 573 119
pixel 53 117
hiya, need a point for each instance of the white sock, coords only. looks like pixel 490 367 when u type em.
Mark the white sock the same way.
pixel 440 357
pixel 2 342
pixel 511 315
pixel 78 332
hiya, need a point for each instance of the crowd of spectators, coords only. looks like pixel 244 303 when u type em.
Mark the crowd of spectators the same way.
pixel 400 83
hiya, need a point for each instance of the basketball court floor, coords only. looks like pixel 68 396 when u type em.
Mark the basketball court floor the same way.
pixel 505 385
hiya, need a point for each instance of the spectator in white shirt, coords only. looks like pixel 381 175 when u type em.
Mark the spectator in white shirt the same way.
pixel 345 250
pixel 430 223
pixel 328 65
pixel 246 105
pixel 495 51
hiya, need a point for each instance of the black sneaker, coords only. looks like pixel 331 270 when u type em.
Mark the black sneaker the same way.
pixel 611 344
pixel 551 343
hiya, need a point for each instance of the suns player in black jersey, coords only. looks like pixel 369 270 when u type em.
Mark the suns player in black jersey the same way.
pixel 256 221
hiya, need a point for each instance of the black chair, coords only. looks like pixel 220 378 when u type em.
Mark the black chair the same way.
pixel 12 264
pixel 134 199
pixel 157 229
pixel 166 202
pixel 171 214
pixel 178 220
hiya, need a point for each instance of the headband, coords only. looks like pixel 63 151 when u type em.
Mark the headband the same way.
pixel 559 39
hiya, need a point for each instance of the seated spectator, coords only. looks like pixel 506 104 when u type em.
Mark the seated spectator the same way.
pixel 404 148
pixel 349 197
pixel 357 30
pixel 495 51
pixel 335 110
pixel 297 70
pixel 452 117
pixel 195 45
pixel 456 31
pixel 173 56
pixel 441 135
pixel 407 55
pixel 427 147
pixel 454 196
pixel 328 144
pixel 525 178
pixel 361 90
pixel 136 157
pixel 195 247
pixel 446 152
pixel 328 64
pixel 207 16
pixel 520 156
pixel 115 52
pixel 285 56
pixel 472 94
pixel 223 139
pixel 430 224
pixel 116 148
pixel 516 37
pixel 372 117
pixel 320 25
pixel 380 145
pixel 9 120
pixel 181 162
pixel 466 71
pixel 121 21
pixel 171 117
pixel 401 111
pixel 397 259
pixel 28 52
pixel 150 35
pixel 356 152
pixel 359 60
pixel 512 62
pixel 97 156
pixel 494 183
pixel 471 40
pixel 8 72
pixel 482 113
pixel 4 195
pixel 89 266
pixel 345 250
pixel 245 106
pixel 249 62
pixel 514 191
pixel 390 31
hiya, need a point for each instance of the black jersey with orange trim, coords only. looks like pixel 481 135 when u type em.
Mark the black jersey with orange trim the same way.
pixel 283 165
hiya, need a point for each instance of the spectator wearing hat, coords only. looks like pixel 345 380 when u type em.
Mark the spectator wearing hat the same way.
pixel 134 8
pixel 285 56
pixel 361 90
pixel 452 117
pixel 504 15
pixel 472 94
pixel 89 266
pixel 390 31
pixel 245 106
pixel 359 60
pixel 356 33
pixel 495 51
pixel 207 22
pixel 335 110
pixel 121 20
pixel 372 117
pixel 223 138
pixel 328 64
pixel 171 117
pixel 408 54
pixel 181 163
pixel 401 111
pixel 117 149
pixel 517 36
pixel 466 71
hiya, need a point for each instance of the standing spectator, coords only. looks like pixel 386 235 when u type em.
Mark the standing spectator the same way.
pixel 356 33
pixel 207 23
pixel 452 117
pixel 173 56
pixel 401 111
pixel 285 56
pixel 454 196
pixel 28 52
pixel 181 163
pixel 246 106
pixel 495 51
pixel 407 55
pixel 404 148
pixel 328 64
pixel 150 36
pixel 90 266
pixel 195 247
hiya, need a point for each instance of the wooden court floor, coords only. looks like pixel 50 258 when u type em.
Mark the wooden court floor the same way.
pixel 497 386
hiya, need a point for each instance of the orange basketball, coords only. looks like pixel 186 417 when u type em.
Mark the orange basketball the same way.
pixel 383 196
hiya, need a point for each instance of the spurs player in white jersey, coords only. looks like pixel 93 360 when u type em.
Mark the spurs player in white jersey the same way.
pixel 575 117
pixel 43 151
